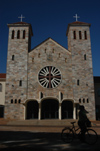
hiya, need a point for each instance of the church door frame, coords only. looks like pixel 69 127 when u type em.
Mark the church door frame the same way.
pixel 34 114
pixel 48 114
pixel 69 116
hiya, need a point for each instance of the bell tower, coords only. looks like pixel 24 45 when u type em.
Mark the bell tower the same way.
pixel 19 44
pixel 79 44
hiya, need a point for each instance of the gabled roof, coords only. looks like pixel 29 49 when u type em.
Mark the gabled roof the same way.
pixel 52 41
pixel 77 23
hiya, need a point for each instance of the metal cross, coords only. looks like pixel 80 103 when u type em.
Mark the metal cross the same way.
pixel 21 17
pixel 76 17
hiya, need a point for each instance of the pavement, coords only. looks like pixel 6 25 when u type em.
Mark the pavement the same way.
pixel 41 138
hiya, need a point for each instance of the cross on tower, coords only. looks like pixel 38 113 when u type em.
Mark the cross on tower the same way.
pixel 76 17
pixel 21 17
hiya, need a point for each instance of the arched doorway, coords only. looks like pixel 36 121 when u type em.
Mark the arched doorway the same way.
pixel 49 109
pixel 67 109
pixel 32 110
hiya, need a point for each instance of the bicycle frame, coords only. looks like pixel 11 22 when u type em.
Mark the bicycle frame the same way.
pixel 75 130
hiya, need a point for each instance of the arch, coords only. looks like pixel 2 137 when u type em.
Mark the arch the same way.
pixel 67 109
pixel 32 109
pixel 49 108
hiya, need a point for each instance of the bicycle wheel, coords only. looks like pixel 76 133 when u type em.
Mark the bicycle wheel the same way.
pixel 67 135
pixel 91 137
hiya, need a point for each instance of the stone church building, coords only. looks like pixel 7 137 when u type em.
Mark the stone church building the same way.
pixel 49 81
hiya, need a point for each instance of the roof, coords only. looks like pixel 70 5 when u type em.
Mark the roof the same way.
pixel 77 23
pixel 21 23
pixel 2 77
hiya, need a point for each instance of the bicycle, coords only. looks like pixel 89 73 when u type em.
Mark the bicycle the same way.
pixel 69 133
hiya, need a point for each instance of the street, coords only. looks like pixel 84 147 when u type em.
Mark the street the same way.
pixel 21 138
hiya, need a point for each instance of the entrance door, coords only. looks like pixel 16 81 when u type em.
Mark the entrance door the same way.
pixel 32 110
pixel 49 109
pixel 67 110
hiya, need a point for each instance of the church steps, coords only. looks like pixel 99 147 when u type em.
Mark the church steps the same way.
pixel 41 122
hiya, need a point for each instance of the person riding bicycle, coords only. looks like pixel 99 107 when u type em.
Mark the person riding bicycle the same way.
pixel 82 122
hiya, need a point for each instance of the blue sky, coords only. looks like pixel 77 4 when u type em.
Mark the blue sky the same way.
pixel 50 18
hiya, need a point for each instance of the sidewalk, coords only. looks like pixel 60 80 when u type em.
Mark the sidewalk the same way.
pixel 29 138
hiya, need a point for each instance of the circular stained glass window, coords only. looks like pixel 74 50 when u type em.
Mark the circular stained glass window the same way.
pixel 49 77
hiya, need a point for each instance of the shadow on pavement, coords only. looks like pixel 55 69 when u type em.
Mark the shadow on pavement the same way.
pixel 39 141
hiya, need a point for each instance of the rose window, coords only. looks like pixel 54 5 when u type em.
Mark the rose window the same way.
pixel 49 77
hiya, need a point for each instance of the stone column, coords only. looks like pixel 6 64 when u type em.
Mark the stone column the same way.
pixel 74 111
pixel 59 111
pixel 39 115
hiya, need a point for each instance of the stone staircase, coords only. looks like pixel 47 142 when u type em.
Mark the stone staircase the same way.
pixel 54 122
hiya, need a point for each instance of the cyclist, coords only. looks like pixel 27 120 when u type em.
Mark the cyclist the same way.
pixel 82 121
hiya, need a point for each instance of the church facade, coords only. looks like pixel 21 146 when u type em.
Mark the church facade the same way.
pixel 49 81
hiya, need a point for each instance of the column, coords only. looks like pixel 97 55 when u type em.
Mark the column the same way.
pixel 39 115
pixel 59 111
pixel 74 111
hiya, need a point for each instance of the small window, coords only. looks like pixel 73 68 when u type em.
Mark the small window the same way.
pixel 13 33
pixel 20 83
pixel 87 100
pixel 74 34
pixel 59 55
pixel 24 34
pixel 13 57
pixel 33 59
pixel 85 57
pixel 79 100
pixel 19 101
pixel 85 35
pixel 45 50
pixel 39 55
pixel 53 51
pixel 0 87
pixel 80 35
pixel 11 100
pixel 83 100
pixel 18 34
pixel 78 82
pixel 15 100
pixel 65 59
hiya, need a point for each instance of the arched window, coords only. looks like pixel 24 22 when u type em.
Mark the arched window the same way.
pixel 20 83
pixel 13 33
pixel 24 34
pixel 79 100
pixel 78 82
pixel 19 101
pixel 85 35
pixel 13 57
pixel 74 34
pixel 87 100
pixel 83 100
pixel 0 87
pixel 11 100
pixel 18 34
pixel 15 100
pixel 80 35
pixel 85 57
